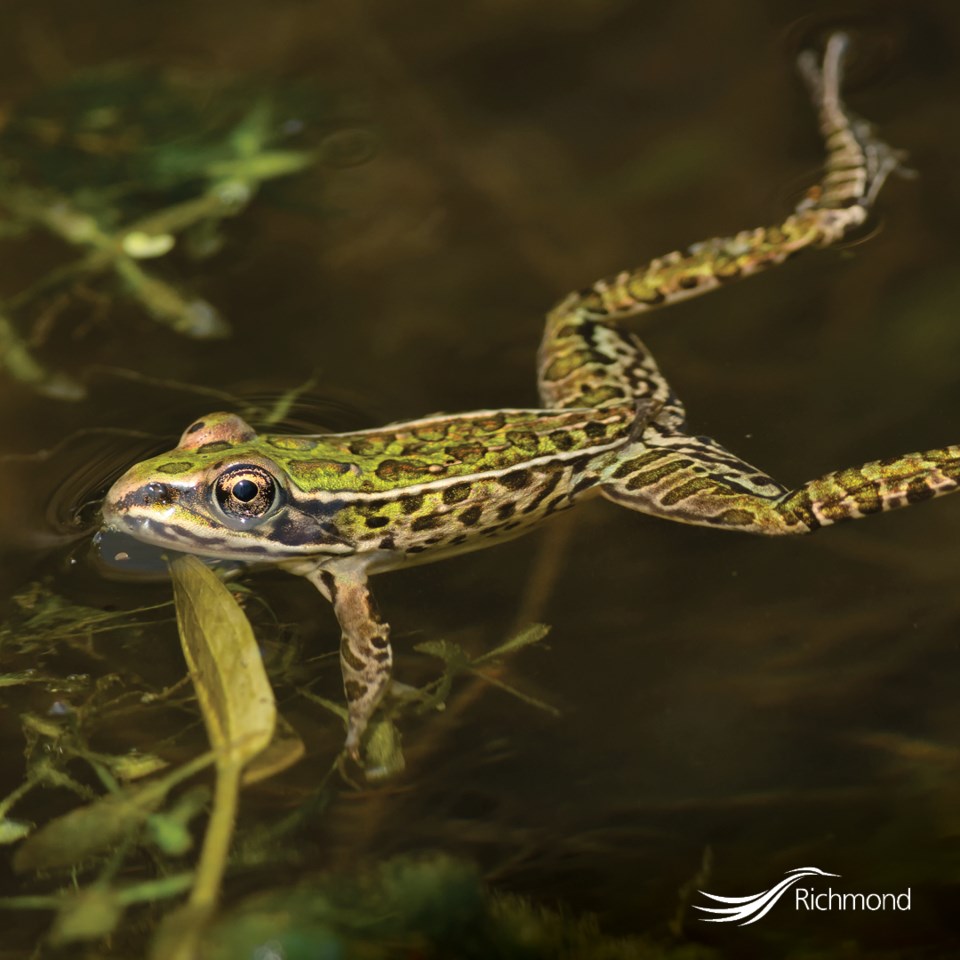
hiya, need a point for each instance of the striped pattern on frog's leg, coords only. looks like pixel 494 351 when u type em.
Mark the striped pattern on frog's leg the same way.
pixel 694 480
pixel 585 361
pixel 366 658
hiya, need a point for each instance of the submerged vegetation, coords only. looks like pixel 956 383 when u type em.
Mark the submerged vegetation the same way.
pixel 127 167
pixel 137 819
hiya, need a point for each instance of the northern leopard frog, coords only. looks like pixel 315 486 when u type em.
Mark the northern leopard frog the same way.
pixel 338 508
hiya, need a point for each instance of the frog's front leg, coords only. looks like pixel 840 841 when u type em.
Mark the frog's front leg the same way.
pixel 366 658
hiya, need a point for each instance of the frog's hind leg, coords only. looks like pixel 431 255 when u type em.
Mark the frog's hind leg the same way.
pixel 585 360
pixel 695 480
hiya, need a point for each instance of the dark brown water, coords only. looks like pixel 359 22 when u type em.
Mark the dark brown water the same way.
pixel 780 704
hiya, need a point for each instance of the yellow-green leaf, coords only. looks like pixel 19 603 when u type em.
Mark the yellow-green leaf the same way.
pixel 240 714
pixel 135 766
pixel 13 830
pixel 283 751
pixel 101 825
pixel 383 756
pixel 90 829
pixel 89 915
pixel 231 684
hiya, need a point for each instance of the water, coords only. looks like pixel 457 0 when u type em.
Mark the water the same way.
pixel 780 704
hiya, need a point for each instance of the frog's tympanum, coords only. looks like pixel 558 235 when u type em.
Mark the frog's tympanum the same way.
pixel 340 507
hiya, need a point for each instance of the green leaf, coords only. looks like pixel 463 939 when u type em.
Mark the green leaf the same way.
pixel 523 638
pixel 450 653
pixel 170 835
pixel 383 756
pixel 13 830
pixel 89 830
pixel 225 665
pixel 99 826
pixel 135 766
pixel 240 715
pixel 88 915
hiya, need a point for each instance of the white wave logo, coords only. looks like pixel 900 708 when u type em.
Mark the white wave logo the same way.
pixel 750 909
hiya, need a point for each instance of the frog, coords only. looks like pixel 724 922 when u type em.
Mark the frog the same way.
pixel 338 508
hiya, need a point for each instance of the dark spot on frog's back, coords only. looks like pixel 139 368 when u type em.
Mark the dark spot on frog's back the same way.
pixel 362 448
pixel 293 443
pixel 491 423
pixel 525 441
pixel 214 446
pixel 466 452
pixel 398 471
pixel 175 466
pixel 312 470
pixel 194 427
pixel 432 432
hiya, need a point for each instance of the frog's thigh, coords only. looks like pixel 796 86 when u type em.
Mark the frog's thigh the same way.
pixel 584 362
pixel 366 658
pixel 695 480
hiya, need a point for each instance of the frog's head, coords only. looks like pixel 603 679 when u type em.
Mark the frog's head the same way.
pixel 218 495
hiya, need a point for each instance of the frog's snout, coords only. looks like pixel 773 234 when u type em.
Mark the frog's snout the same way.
pixel 124 499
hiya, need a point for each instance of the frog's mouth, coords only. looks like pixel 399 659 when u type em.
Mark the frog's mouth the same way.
pixel 153 530
pixel 173 526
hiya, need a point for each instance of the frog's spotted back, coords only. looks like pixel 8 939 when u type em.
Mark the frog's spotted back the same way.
pixel 339 507
pixel 445 448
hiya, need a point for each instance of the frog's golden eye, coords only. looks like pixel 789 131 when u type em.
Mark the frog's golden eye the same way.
pixel 245 492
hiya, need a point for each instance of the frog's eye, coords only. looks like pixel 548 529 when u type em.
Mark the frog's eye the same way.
pixel 245 492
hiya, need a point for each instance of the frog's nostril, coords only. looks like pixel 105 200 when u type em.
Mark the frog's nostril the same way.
pixel 155 493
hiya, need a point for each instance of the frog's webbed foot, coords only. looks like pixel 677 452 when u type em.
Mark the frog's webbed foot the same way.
pixel 858 162
pixel 366 658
